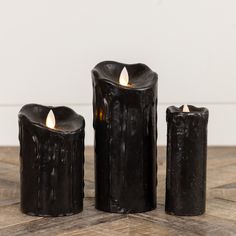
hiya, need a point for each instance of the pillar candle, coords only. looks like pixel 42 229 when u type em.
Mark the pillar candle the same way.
pixel 186 160
pixel 125 124
pixel 51 160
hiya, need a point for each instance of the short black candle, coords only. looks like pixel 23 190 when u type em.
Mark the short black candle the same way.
pixel 125 123
pixel 51 161
pixel 186 160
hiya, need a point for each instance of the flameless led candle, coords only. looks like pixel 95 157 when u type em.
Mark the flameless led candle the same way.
pixel 51 160
pixel 125 124
pixel 186 160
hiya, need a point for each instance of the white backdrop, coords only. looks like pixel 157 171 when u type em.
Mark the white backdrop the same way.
pixel 48 48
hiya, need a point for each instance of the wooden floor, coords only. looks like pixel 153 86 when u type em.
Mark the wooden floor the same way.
pixel 220 218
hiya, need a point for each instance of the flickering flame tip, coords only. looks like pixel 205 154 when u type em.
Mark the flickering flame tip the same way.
pixel 186 108
pixel 124 77
pixel 51 121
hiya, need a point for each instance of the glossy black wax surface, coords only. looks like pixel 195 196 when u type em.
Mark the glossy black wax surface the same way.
pixel 67 121
pixel 186 161
pixel 141 77
pixel 125 124
pixel 51 161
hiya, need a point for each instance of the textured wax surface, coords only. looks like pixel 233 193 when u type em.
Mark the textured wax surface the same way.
pixel 66 119
pixel 51 166
pixel 186 161
pixel 125 123
pixel 140 76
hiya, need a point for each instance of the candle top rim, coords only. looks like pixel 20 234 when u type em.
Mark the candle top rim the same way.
pixel 192 110
pixel 67 120
pixel 141 77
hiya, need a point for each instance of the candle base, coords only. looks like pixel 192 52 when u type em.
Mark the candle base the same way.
pixel 42 214
pixel 120 210
pixel 202 212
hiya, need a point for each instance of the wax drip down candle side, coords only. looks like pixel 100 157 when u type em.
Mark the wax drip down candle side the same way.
pixel 125 124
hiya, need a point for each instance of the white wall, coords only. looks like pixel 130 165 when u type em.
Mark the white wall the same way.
pixel 48 48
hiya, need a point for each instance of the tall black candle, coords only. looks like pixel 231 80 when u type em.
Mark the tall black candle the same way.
pixel 51 161
pixel 125 123
pixel 186 160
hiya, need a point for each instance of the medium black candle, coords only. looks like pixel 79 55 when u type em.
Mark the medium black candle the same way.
pixel 125 123
pixel 186 160
pixel 51 160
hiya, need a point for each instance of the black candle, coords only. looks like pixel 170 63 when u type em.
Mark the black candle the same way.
pixel 51 160
pixel 186 160
pixel 125 123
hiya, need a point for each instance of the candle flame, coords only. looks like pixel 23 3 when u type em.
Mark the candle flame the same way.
pixel 185 108
pixel 51 121
pixel 124 77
